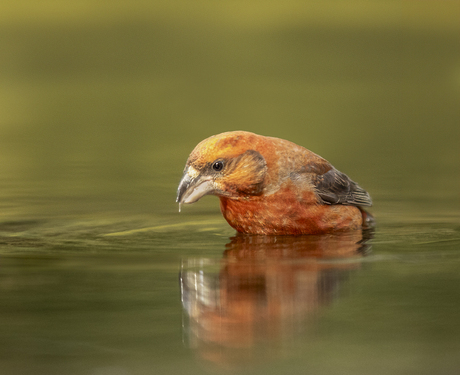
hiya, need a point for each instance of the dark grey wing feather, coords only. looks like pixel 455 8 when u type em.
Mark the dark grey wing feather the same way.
pixel 335 187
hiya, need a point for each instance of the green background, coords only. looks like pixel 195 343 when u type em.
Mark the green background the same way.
pixel 100 105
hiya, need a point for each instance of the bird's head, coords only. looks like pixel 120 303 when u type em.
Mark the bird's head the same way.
pixel 228 165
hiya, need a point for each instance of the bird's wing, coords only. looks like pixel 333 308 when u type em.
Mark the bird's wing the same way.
pixel 335 187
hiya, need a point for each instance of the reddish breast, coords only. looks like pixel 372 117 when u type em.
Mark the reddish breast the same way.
pixel 287 213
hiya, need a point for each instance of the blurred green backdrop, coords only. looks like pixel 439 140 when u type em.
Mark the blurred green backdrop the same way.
pixel 101 102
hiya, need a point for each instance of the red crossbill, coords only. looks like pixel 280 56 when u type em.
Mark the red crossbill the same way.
pixel 272 186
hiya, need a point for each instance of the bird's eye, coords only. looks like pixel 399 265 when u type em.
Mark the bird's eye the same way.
pixel 218 165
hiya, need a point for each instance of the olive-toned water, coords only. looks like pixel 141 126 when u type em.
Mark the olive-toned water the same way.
pixel 100 106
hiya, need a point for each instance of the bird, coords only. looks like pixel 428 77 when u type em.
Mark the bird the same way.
pixel 271 186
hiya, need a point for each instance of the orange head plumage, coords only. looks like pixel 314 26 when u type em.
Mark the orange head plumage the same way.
pixel 271 186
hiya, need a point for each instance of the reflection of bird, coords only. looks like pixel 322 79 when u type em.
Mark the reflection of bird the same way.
pixel 264 293
pixel 272 186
